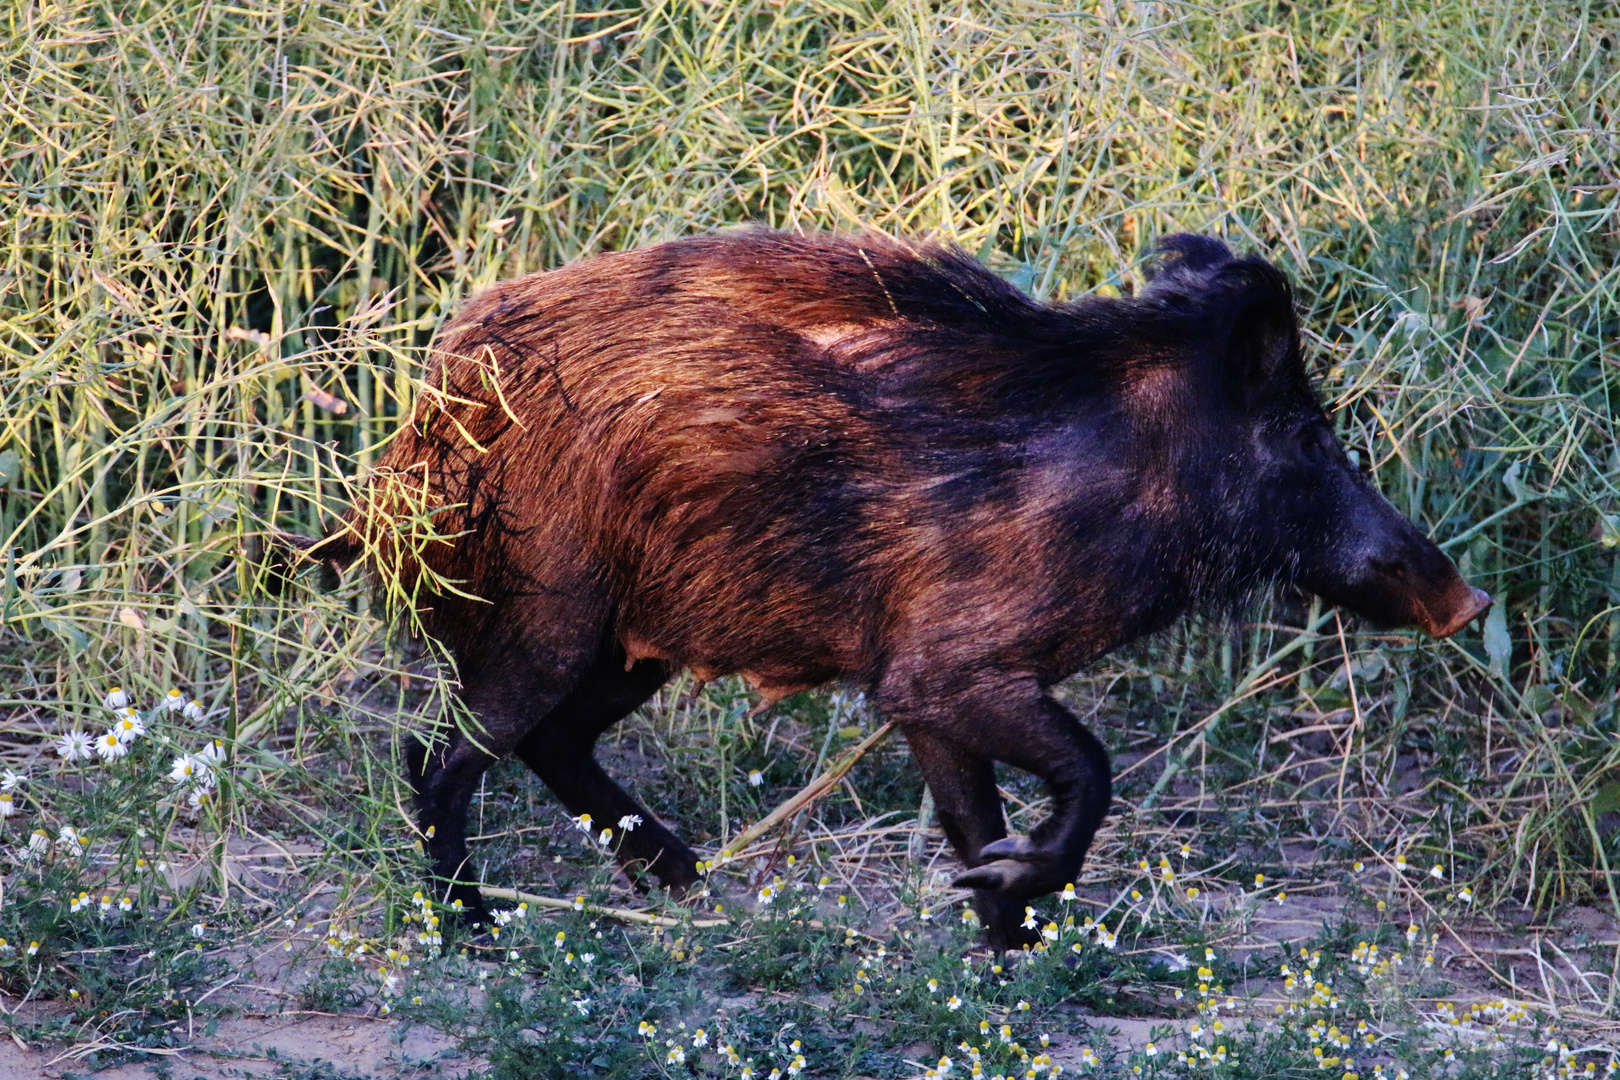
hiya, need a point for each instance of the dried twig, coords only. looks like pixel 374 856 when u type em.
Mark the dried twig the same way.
pixel 810 793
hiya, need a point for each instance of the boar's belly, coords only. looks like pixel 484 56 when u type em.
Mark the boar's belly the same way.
pixel 776 660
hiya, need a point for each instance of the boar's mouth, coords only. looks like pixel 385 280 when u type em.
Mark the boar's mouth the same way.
pixel 1417 587
pixel 1400 577
pixel 1461 605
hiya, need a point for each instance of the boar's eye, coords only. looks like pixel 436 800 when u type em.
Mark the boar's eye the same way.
pixel 1318 442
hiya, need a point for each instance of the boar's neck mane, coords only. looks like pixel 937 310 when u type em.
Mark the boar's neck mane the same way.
pixel 1124 413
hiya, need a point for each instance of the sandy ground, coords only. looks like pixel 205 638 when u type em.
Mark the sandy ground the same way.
pixel 295 1043
pixel 255 1046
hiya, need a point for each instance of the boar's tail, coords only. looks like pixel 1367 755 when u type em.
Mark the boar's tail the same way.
pixel 335 551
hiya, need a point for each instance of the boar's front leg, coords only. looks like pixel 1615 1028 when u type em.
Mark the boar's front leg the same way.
pixel 968 808
pixel 955 733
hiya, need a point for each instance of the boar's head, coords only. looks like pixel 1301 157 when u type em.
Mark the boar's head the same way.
pixel 1285 500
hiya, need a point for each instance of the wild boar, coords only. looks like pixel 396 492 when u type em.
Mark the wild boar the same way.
pixel 811 459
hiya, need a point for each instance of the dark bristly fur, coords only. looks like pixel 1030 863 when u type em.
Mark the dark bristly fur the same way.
pixel 829 458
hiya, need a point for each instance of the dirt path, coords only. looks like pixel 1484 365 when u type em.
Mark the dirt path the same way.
pixel 292 1045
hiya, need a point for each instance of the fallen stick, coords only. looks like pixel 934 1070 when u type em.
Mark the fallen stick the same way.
pixel 811 792
pixel 631 914
pixel 623 914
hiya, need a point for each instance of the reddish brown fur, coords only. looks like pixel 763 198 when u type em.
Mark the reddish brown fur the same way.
pixel 814 459
pixel 645 461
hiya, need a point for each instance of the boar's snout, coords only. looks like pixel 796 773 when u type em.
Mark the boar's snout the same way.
pixel 1424 586
pixel 1384 568
pixel 1442 612
pixel 1462 605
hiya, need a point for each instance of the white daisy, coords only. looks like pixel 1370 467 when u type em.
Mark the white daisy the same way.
pixel 193 711
pixel 8 804
pixel 187 769
pixel 74 746
pixel 129 725
pixel 213 753
pixel 110 747
pixel 10 781
pixel 175 701
pixel 116 698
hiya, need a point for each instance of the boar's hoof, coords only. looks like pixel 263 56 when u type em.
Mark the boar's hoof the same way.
pixel 1009 847
pixel 1016 866
pixel 1010 938
pixel 1009 876
pixel 472 914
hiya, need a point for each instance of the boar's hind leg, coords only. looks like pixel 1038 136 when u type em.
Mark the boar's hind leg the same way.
pixel 445 778
pixel 560 748
pixel 509 688
pixel 1019 725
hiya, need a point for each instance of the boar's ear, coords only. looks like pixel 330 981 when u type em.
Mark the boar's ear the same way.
pixel 1262 343
pixel 1244 306
pixel 1187 255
